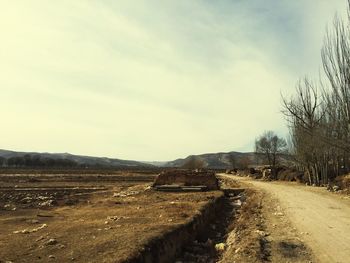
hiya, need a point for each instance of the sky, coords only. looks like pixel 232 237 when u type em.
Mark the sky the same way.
pixel 152 80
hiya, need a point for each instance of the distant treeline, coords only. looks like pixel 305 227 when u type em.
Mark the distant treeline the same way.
pixel 37 161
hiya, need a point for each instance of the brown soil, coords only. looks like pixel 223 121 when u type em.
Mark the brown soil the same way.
pixel 261 232
pixel 244 244
pixel 301 220
pixel 112 224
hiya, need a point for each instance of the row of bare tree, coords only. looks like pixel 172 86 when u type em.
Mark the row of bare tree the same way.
pixel 319 113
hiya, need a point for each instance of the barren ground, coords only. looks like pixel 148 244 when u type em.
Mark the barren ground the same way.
pixel 83 224
pixel 298 218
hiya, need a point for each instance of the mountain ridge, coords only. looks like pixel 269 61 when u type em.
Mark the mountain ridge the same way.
pixel 79 159
pixel 219 160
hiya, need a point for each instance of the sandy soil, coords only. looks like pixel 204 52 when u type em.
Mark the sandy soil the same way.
pixel 311 217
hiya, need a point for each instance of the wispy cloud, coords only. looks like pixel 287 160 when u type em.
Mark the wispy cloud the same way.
pixel 152 80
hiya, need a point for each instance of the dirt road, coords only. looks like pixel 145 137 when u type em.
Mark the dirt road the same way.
pixel 322 219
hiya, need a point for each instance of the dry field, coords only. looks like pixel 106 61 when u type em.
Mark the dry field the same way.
pixel 87 218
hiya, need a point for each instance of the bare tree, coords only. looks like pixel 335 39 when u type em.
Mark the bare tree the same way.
pixel 305 114
pixel 319 114
pixel 194 162
pixel 244 163
pixel 271 146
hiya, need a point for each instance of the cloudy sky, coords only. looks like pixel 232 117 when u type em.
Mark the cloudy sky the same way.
pixel 152 80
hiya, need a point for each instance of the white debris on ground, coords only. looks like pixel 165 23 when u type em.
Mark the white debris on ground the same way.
pixel 220 247
pixel 27 231
pixel 125 193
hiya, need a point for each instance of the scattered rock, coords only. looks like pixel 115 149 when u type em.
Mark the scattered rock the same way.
pixel 278 214
pixel 51 242
pixel 9 207
pixel 220 247
pixel 52 257
pixel 237 203
pixel 336 188
pixel 26 200
pixel 125 194
pixel 47 203
pixel 115 218
pixel 268 238
pixel 262 233
pixel 42 198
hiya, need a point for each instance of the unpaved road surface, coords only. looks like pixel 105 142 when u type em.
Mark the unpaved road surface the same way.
pixel 322 219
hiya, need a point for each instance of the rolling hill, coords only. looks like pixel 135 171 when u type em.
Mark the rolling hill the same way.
pixel 220 160
pixel 79 159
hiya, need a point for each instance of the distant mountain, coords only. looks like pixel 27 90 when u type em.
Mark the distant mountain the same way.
pixel 220 160
pixel 79 159
pixel 156 163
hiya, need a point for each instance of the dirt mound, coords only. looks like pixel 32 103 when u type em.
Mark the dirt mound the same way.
pixel 188 178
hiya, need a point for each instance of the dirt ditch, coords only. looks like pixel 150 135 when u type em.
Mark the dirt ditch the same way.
pixel 200 240
pixel 211 242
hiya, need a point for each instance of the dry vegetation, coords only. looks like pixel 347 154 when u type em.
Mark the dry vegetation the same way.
pixel 109 225
pixel 319 113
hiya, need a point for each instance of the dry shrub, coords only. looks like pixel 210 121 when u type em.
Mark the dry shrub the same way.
pixel 343 182
pixel 285 174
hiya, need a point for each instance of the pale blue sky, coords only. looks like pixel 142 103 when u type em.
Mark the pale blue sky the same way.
pixel 152 80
